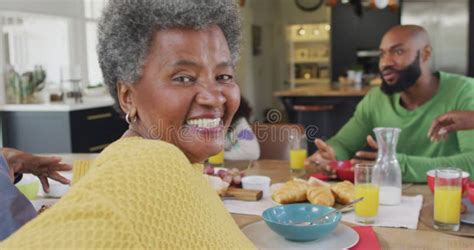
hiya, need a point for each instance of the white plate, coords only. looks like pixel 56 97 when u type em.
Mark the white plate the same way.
pixel 276 186
pixel 264 238
pixel 468 216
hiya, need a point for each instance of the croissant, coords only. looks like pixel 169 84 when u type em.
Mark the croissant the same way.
pixel 320 196
pixel 292 191
pixel 344 192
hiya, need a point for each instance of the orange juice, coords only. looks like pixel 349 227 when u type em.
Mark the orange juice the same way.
pixel 369 206
pixel 297 157
pixel 447 204
pixel 217 159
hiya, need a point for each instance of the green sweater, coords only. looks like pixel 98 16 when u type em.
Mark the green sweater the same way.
pixel 415 152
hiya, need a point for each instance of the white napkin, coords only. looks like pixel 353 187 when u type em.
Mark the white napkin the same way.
pixel 249 207
pixel 404 215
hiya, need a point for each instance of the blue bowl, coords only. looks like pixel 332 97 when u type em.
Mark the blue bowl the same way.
pixel 277 218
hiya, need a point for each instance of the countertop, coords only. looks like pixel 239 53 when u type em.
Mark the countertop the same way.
pixel 89 102
pixel 323 91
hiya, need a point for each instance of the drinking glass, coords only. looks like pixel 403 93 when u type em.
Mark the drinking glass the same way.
pixel 217 160
pixel 447 199
pixel 298 152
pixel 367 186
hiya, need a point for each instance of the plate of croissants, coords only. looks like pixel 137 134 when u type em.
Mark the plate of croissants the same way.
pixel 314 191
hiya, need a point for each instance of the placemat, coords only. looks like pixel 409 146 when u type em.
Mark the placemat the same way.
pixel 426 217
pixel 367 238
pixel 405 215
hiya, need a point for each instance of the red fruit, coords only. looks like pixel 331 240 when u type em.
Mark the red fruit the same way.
pixel 209 170
pixel 222 173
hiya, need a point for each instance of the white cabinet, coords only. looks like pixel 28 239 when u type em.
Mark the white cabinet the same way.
pixel 309 54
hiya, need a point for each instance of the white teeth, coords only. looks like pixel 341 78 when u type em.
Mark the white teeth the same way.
pixel 205 123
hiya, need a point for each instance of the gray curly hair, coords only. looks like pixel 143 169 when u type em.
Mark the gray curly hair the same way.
pixel 126 29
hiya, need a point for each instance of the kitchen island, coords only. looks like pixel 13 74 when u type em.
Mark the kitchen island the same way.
pixel 85 127
pixel 322 109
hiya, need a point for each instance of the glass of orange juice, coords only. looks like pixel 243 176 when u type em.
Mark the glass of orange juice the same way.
pixel 217 160
pixel 298 152
pixel 367 186
pixel 447 198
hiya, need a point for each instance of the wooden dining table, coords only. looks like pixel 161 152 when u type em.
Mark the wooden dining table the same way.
pixel 424 237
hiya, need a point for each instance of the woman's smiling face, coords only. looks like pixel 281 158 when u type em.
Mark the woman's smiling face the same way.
pixel 187 94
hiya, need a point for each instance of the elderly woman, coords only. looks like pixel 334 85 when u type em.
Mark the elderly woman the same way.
pixel 170 67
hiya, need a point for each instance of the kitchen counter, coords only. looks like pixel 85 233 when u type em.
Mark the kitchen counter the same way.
pixel 86 127
pixel 88 103
pixel 324 90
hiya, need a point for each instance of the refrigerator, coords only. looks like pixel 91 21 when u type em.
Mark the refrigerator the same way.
pixel 447 23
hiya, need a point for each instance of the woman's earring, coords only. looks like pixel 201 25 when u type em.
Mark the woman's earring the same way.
pixel 129 120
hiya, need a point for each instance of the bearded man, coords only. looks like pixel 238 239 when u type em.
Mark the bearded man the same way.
pixel 410 97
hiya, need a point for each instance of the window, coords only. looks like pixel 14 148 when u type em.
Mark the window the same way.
pixel 31 40
pixel 92 12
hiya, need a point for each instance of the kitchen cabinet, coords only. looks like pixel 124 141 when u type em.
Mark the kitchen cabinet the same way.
pixel 309 54
pixel 83 130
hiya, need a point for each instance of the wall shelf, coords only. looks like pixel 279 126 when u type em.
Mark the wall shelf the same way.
pixel 308 48
pixel 324 60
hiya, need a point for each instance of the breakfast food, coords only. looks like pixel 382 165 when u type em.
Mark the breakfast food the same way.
pixel 292 191
pixel 315 191
pixel 317 182
pixel 343 192
pixel 232 176
pixel 320 196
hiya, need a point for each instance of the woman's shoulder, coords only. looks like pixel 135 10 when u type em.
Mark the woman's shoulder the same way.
pixel 137 150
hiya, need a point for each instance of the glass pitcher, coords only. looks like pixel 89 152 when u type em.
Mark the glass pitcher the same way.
pixel 387 168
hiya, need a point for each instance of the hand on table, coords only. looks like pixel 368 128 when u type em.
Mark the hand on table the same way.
pixel 366 156
pixel 320 160
pixel 41 166
pixel 451 121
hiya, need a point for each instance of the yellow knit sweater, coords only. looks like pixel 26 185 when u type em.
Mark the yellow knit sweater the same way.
pixel 138 194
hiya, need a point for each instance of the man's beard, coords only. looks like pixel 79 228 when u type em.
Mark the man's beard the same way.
pixel 407 77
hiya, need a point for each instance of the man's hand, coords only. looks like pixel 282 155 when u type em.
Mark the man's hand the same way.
pixel 322 157
pixel 366 156
pixel 451 121
pixel 43 167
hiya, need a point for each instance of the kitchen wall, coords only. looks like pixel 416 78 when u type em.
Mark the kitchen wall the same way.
pixel 257 74
pixel 351 32
pixel 260 75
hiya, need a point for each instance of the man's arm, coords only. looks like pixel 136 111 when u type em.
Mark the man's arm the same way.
pixel 414 168
pixel 15 209
pixel 42 166
pixel 352 136
pixel 451 121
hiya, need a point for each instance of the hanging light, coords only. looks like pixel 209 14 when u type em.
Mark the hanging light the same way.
pixel 301 31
